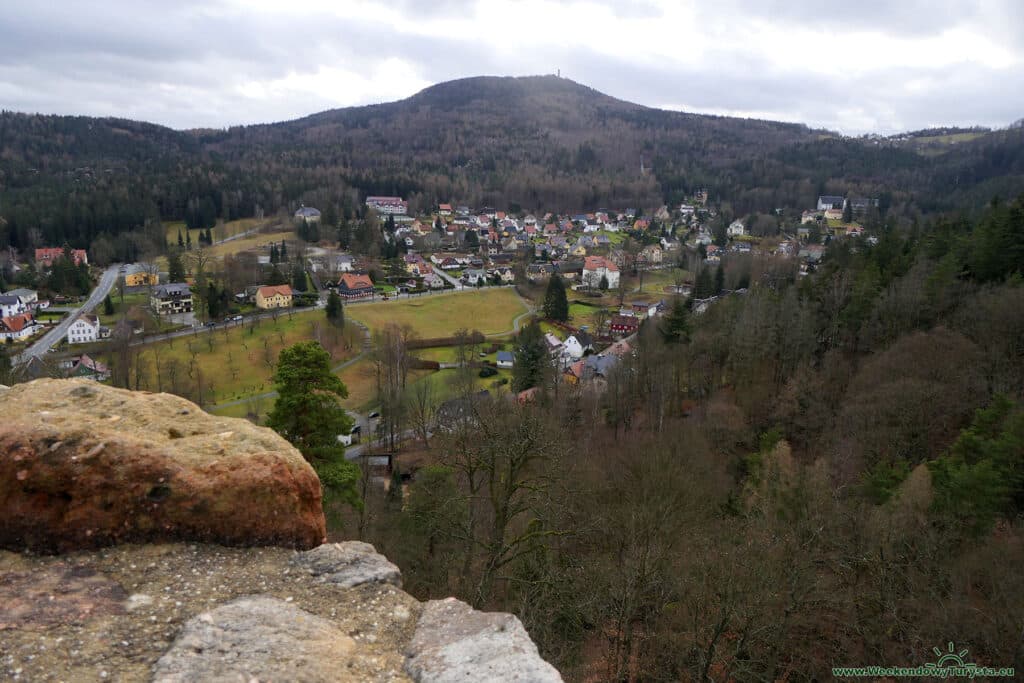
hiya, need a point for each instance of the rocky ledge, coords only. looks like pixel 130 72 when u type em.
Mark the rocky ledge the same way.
pixel 189 612
pixel 84 467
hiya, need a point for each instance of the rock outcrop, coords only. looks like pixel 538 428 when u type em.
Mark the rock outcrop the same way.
pixel 84 465
pixel 177 612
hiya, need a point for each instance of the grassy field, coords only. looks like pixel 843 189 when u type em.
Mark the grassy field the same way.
pixel 220 232
pixel 360 379
pixel 262 239
pixel 490 311
pixel 239 361
pixel 121 306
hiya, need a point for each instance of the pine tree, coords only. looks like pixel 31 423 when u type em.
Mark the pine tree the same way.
pixel 703 287
pixel 531 358
pixel 675 326
pixel 298 277
pixel 307 413
pixel 847 211
pixel 188 240
pixel 274 256
pixel 212 301
pixel 181 240
pixel 603 284
pixel 556 305
pixel 335 311
pixel 282 253
pixel 108 306
pixel 276 277
pixel 175 268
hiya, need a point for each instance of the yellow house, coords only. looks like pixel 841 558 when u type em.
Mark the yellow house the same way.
pixel 274 296
pixel 138 277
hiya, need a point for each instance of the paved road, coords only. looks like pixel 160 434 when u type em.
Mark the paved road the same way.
pixel 458 285
pixel 58 332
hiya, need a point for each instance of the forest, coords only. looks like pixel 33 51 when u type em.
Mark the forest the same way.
pixel 542 143
pixel 824 471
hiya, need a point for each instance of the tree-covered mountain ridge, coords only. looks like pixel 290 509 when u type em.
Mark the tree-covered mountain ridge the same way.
pixel 542 142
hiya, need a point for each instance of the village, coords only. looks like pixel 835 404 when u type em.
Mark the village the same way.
pixel 436 273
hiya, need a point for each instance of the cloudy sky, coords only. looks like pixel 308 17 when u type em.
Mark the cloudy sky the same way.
pixel 868 66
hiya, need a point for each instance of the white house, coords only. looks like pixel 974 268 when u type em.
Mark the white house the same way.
pixel 735 229
pixel 597 267
pixel 572 348
pixel 16 327
pixel 11 305
pixel 506 359
pixel 84 330
pixel 474 276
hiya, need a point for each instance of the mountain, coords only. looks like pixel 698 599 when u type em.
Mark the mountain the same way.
pixel 540 142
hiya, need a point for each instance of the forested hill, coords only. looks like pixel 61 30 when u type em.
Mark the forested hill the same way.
pixel 540 142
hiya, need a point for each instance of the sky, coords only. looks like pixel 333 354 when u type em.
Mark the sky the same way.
pixel 872 66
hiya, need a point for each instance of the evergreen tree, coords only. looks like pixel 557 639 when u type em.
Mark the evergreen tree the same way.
pixel 209 236
pixel 282 253
pixel 108 306
pixel 335 311
pixel 848 211
pixel 213 301
pixel 719 279
pixel 603 284
pixel 276 277
pixel 181 240
pixel 298 277
pixel 307 413
pixel 274 255
pixel 472 239
pixel 556 305
pixel 531 358
pixel 703 287
pixel 175 268
pixel 188 240
pixel 675 326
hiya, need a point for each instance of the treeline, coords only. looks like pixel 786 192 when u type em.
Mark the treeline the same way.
pixel 826 471
pixel 541 143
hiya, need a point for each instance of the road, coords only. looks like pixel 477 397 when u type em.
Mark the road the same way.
pixel 59 331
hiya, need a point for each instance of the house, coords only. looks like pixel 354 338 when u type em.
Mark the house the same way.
pixel 554 344
pixel 834 214
pixel 84 330
pixel 139 276
pixel 596 268
pixel 45 256
pixel 624 325
pixel 686 209
pixel 572 348
pixel 308 214
pixel 860 205
pixel 433 281
pixel 175 297
pixel 506 359
pixel 29 297
pixel 17 327
pixel 736 229
pixel 388 205
pixel 670 244
pixel 85 367
pixel 536 272
pixel 713 253
pixel 355 286
pixel 826 202
pixel 651 254
pixel 444 209
pixel 506 275
pixel 274 296
pixel 809 217
pixel 11 305
pixel 474 277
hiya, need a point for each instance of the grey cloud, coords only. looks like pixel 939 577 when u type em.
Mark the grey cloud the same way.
pixel 116 59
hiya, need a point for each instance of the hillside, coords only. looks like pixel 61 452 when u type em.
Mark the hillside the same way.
pixel 540 142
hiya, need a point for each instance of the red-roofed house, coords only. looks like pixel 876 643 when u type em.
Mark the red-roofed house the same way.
pixel 355 286
pixel 274 296
pixel 597 267
pixel 17 326
pixel 45 256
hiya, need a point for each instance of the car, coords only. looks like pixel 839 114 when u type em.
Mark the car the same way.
pixel 237 318
pixel 211 324
pixel 372 416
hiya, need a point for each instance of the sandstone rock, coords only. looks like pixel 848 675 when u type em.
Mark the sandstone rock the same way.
pixel 257 638
pixel 454 642
pixel 349 564
pixel 84 465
